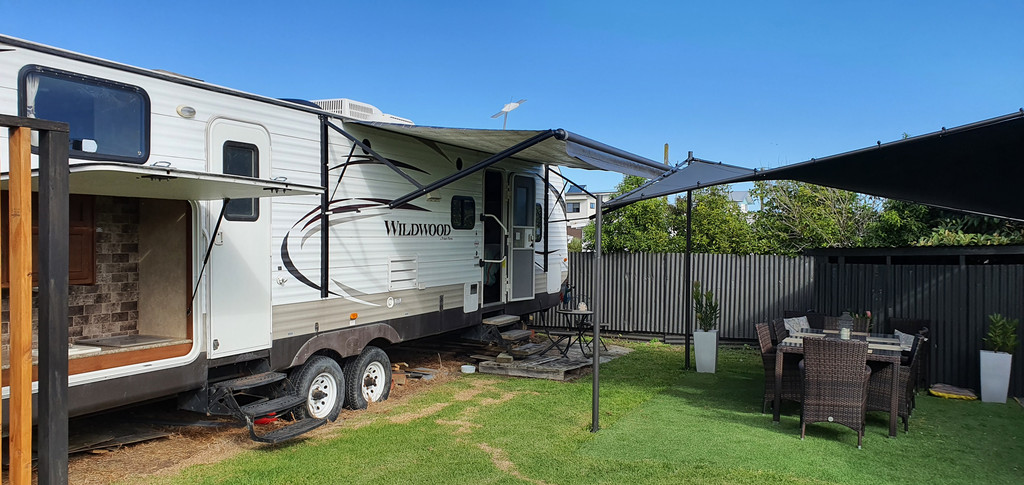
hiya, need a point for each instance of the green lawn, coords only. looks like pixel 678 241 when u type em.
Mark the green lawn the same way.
pixel 659 425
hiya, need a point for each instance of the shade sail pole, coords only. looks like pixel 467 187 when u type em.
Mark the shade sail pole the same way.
pixel 596 303
pixel 687 276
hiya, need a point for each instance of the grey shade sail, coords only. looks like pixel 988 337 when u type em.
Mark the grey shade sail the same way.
pixel 975 168
pixel 699 173
pixel 566 149
pixel 149 182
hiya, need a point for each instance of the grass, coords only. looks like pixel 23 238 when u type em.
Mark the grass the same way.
pixel 659 425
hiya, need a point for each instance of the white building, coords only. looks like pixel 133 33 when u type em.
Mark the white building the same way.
pixel 580 207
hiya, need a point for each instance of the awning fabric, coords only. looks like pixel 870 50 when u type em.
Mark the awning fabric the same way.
pixel 574 151
pixel 699 173
pixel 149 182
pixel 974 168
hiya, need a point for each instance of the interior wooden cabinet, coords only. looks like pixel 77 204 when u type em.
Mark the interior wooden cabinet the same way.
pixel 81 239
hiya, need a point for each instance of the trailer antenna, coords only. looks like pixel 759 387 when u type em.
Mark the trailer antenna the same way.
pixel 506 110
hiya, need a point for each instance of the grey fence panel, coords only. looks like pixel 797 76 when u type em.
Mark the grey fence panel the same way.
pixel 645 293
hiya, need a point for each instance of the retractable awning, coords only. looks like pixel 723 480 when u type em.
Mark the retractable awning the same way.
pixel 554 147
pixel 151 182
pixel 972 168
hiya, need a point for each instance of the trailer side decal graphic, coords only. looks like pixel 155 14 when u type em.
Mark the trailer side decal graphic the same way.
pixel 344 211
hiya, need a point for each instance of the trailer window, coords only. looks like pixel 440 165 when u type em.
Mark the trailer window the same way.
pixel 107 120
pixel 538 224
pixel 242 159
pixel 463 212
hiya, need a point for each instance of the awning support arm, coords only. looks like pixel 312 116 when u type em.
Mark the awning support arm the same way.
pixel 375 155
pixel 497 157
pixel 206 259
pixel 578 186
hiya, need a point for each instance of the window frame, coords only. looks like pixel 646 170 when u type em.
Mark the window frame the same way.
pixel 458 223
pixel 255 174
pixel 97 82
pixel 569 206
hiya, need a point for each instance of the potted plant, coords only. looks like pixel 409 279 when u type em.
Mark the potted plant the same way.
pixel 705 340
pixel 997 358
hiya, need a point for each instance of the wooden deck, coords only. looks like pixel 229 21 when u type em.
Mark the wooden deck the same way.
pixel 551 364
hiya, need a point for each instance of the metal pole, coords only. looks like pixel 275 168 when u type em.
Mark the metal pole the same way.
pixel 325 201
pixel 596 303
pixel 687 277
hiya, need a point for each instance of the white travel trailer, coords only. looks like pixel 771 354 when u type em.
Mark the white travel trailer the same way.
pixel 254 255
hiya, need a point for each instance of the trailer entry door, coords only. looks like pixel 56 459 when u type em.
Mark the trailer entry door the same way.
pixel 524 193
pixel 240 265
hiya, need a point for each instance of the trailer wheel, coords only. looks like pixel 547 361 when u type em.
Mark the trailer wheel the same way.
pixel 322 382
pixel 369 378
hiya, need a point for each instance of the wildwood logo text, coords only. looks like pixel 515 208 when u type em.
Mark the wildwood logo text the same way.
pixel 400 229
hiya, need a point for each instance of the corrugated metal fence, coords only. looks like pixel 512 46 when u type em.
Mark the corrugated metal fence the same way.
pixel 643 293
pixel 956 299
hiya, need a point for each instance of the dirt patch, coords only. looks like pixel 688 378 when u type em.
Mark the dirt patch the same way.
pixel 427 411
pixel 188 446
pixel 501 461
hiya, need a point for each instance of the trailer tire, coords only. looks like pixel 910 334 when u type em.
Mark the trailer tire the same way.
pixel 322 382
pixel 369 378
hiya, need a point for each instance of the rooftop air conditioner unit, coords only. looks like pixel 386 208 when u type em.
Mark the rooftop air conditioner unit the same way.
pixel 358 111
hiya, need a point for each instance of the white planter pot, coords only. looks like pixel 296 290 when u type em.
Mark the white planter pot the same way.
pixel 995 375
pixel 705 346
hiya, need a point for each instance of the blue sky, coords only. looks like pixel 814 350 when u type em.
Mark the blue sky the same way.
pixel 757 84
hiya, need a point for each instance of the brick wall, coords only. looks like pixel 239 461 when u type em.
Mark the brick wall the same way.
pixel 110 306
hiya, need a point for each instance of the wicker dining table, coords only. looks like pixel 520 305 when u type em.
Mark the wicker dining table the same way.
pixel 881 348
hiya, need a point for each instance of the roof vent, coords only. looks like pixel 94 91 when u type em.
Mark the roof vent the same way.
pixel 359 111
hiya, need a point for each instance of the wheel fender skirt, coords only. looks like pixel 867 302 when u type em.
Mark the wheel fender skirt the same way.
pixel 346 341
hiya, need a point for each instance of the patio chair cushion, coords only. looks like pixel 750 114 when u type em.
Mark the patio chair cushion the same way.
pixel 796 324
pixel 906 340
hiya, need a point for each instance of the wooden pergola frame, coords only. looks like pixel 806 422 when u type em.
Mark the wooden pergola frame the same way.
pixel 53 296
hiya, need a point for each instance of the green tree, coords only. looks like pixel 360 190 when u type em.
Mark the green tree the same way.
pixel 795 216
pixel 910 224
pixel 719 226
pixel 901 223
pixel 638 227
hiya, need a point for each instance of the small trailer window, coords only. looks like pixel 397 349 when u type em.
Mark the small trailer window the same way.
pixel 538 224
pixel 242 159
pixel 463 212
pixel 108 120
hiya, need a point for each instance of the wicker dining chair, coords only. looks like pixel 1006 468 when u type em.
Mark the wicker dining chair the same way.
pixel 880 386
pixel 792 385
pixel 778 331
pixel 830 323
pixel 920 327
pixel 835 384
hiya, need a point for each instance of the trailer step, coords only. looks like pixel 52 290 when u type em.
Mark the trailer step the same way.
pixel 263 408
pixel 249 382
pixel 288 432
pixel 500 320
pixel 516 335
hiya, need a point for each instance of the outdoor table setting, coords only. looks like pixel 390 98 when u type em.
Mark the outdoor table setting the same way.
pixel 579 323
pixel 883 348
